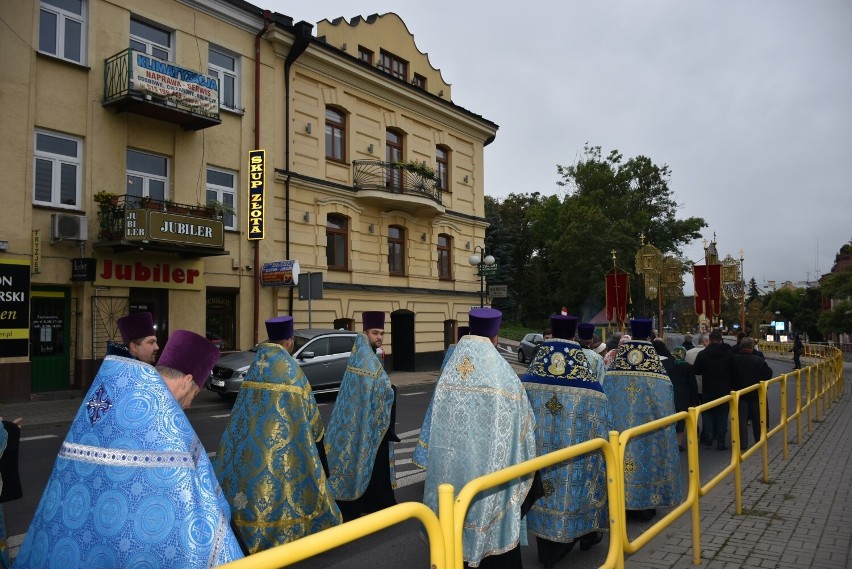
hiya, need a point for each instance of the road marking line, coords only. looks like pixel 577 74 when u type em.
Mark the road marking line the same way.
pixel 39 437
pixel 408 434
pixel 403 480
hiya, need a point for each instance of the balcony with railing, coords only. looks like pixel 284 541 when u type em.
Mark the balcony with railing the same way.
pixel 135 223
pixel 407 186
pixel 138 83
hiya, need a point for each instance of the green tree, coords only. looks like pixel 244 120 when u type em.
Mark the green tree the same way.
pixel 838 287
pixel 554 251
pixel 609 202
pixel 753 291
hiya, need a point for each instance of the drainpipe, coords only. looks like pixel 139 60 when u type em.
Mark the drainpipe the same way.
pixel 267 21
pixel 302 40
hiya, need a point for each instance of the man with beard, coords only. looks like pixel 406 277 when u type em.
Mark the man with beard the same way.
pixel 361 428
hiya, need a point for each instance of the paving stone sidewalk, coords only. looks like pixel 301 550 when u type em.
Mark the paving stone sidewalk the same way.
pixel 801 518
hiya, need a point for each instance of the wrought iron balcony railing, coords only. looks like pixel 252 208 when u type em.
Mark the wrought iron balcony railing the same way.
pixel 139 83
pixel 396 178
pixel 112 213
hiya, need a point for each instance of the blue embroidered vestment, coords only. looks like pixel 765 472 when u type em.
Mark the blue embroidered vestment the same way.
pixel 268 463
pixel 132 484
pixel 639 391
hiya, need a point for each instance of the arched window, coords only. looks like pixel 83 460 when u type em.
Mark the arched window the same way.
pixel 445 257
pixel 335 135
pixel 396 250
pixel 442 167
pixel 337 243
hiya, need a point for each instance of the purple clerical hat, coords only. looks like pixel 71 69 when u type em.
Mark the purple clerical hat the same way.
pixel 373 319
pixel 135 326
pixel 188 352
pixel 485 321
pixel 563 327
pixel 463 331
pixel 279 328
pixel 640 328
pixel 585 331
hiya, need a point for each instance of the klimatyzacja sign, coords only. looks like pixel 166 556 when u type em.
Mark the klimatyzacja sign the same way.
pixel 187 89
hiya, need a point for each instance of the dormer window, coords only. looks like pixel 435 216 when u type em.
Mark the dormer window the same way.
pixel 393 65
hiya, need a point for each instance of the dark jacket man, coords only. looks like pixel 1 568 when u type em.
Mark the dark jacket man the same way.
pixel 749 369
pixel 713 363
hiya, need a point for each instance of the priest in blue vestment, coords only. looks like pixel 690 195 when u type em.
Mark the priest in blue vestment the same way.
pixel 360 430
pixel 570 408
pixel 419 456
pixel 481 422
pixel 268 461
pixel 132 484
pixel 639 391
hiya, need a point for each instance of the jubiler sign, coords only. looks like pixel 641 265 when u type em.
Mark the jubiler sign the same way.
pixel 152 225
pixel 187 89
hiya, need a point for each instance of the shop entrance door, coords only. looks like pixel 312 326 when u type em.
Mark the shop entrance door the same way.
pixel 50 339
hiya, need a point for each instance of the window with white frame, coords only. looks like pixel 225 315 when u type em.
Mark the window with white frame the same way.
pixel 58 170
pixel 222 187
pixel 62 29
pixel 147 177
pixel 225 65
pixel 150 39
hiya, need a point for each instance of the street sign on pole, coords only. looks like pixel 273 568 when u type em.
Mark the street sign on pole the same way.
pixel 487 270
pixel 498 291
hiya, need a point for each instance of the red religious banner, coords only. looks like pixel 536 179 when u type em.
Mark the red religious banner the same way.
pixel 708 289
pixel 617 294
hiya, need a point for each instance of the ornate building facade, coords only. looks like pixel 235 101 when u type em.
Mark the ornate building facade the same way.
pixel 197 158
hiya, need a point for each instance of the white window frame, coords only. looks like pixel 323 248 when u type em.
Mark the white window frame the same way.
pixel 221 73
pixel 150 44
pixel 62 17
pixel 147 177
pixel 57 161
pixel 230 219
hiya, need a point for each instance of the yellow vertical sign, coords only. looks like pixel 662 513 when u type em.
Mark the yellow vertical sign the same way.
pixel 256 182
pixel 36 251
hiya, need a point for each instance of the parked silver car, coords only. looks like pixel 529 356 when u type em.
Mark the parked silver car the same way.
pixel 528 347
pixel 321 353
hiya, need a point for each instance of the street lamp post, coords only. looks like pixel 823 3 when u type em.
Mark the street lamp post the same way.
pixel 742 304
pixel 478 261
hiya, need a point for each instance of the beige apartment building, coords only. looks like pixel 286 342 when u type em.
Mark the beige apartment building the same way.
pixel 197 158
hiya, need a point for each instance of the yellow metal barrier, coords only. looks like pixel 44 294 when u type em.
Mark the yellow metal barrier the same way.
pixel 615 555
pixel 620 441
pixel 823 384
pixel 325 540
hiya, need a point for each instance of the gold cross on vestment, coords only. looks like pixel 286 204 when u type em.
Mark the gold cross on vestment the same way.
pixel 554 406
pixel 262 364
pixel 465 368
pixel 632 390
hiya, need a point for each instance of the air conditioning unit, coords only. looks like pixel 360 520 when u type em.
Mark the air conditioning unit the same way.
pixel 71 227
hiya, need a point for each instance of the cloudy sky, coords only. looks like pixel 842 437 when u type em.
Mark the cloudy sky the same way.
pixel 748 102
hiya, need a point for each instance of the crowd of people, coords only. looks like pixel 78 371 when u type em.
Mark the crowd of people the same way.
pixel 133 482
